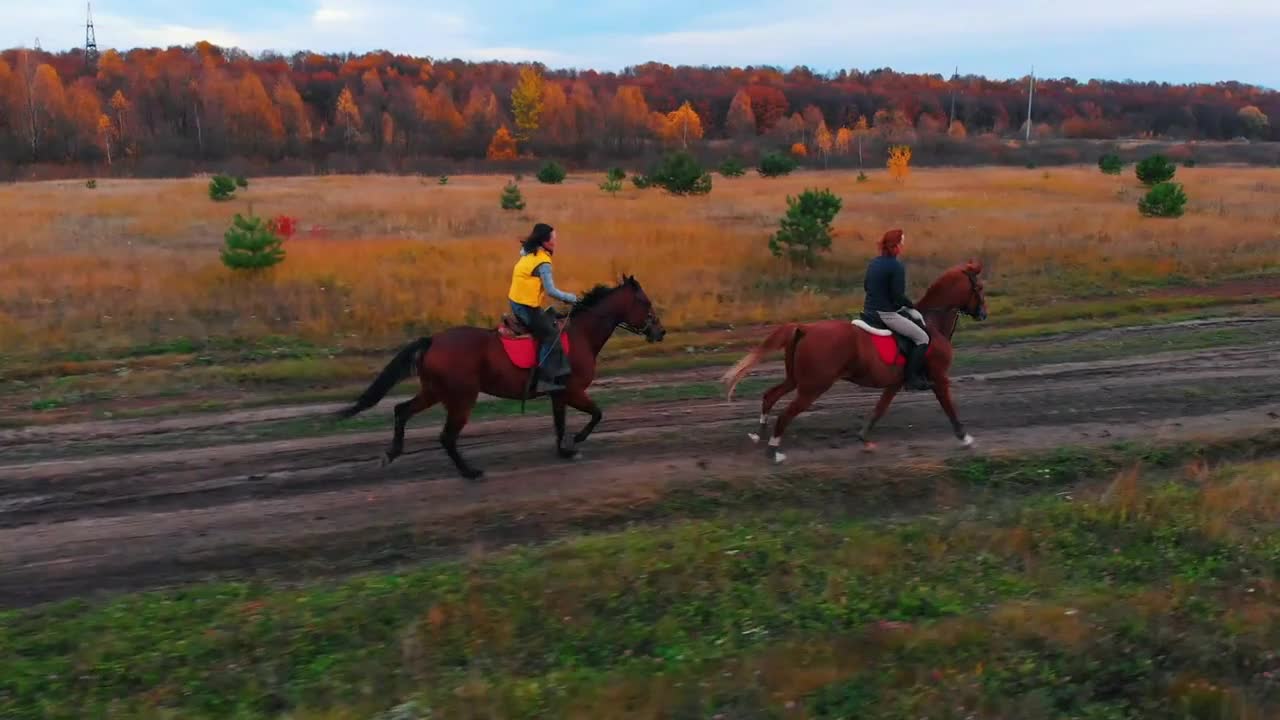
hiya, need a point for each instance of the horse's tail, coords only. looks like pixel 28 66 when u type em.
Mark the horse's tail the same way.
pixel 400 368
pixel 784 337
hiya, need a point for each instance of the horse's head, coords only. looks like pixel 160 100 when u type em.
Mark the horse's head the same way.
pixel 975 303
pixel 960 288
pixel 638 315
pixel 624 305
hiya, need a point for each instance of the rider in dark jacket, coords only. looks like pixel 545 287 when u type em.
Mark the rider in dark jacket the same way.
pixel 885 284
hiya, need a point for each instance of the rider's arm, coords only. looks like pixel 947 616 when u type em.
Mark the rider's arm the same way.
pixel 544 272
pixel 898 287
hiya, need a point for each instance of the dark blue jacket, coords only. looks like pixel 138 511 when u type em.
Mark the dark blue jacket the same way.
pixel 886 285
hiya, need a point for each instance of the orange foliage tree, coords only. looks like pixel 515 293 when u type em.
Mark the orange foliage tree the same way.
pixel 899 162
pixel 502 146
pixel 844 141
pixel 799 150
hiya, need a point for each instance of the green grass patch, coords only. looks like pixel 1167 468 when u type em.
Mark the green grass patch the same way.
pixel 1139 599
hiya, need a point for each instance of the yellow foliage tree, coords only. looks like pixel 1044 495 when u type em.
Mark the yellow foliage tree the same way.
pixel 683 125
pixel 899 162
pixel 347 117
pixel 526 102
pixel 860 130
pixel 824 142
pixel 502 146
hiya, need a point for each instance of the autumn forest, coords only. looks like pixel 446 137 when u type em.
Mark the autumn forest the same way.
pixel 159 112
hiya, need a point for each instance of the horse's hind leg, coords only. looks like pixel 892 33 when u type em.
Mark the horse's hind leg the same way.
pixel 886 398
pixel 459 405
pixel 803 400
pixel 771 398
pixel 403 412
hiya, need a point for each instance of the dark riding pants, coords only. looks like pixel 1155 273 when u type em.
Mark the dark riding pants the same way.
pixel 551 360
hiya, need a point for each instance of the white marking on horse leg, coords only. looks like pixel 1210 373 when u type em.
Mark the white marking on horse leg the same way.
pixel 775 441
pixel 764 419
pixel 779 458
pixel 754 438
pixel 967 441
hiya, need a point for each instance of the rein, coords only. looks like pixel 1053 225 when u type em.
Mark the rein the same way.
pixel 972 301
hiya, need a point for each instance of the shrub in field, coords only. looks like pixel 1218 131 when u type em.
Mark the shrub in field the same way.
pixel 1166 199
pixel 251 244
pixel 221 187
pixel 616 174
pixel 899 162
pixel 511 197
pixel 611 185
pixel 242 182
pixel 1155 170
pixel 732 167
pixel 552 173
pixel 776 164
pixel 443 180
pixel 1110 164
pixel 680 173
pixel 91 184
pixel 805 230
pixel 862 177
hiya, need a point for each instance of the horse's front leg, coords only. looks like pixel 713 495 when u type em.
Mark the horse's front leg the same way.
pixel 579 400
pixel 563 446
pixel 942 390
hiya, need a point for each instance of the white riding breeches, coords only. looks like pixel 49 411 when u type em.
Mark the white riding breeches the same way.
pixel 903 326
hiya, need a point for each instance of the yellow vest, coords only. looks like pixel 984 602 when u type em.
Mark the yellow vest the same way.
pixel 526 287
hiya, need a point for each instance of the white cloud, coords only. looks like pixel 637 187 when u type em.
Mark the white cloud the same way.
pixel 1230 39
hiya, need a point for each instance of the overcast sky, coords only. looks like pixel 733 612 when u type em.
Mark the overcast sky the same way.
pixel 1169 40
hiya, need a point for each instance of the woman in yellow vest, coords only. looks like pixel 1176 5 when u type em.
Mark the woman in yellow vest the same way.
pixel 531 282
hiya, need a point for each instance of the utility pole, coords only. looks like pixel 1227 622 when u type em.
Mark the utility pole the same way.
pixel 90 41
pixel 954 78
pixel 1031 92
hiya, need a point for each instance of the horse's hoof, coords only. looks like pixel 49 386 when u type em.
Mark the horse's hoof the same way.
pixel 387 459
pixel 755 439
pixel 869 447
pixel 966 441
pixel 568 454
pixel 472 475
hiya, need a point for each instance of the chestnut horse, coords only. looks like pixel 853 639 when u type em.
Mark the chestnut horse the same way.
pixel 819 353
pixel 457 365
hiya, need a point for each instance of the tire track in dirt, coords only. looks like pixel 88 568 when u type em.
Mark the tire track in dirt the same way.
pixel 141 519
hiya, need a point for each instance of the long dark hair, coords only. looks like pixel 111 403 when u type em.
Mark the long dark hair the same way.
pixel 541 233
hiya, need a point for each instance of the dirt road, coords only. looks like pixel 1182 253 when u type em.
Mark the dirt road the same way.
pixel 201 501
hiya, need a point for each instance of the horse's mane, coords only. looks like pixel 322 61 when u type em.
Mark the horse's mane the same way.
pixel 597 294
pixel 592 298
pixel 950 275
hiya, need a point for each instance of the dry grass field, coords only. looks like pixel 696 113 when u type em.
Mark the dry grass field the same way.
pixel 135 263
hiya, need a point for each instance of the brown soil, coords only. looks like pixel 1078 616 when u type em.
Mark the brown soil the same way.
pixel 322 505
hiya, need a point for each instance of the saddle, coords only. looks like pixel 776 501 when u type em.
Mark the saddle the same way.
pixel 893 348
pixel 513 328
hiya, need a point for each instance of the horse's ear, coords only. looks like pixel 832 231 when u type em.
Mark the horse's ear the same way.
pixel 974 266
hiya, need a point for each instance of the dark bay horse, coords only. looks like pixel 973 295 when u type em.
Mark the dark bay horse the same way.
pixel 455 366
pixel 820 353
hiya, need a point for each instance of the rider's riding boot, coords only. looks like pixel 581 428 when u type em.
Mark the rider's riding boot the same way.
pixel 915 375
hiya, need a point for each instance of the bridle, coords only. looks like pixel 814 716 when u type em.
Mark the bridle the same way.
pixel 974 301
pixel 642 331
